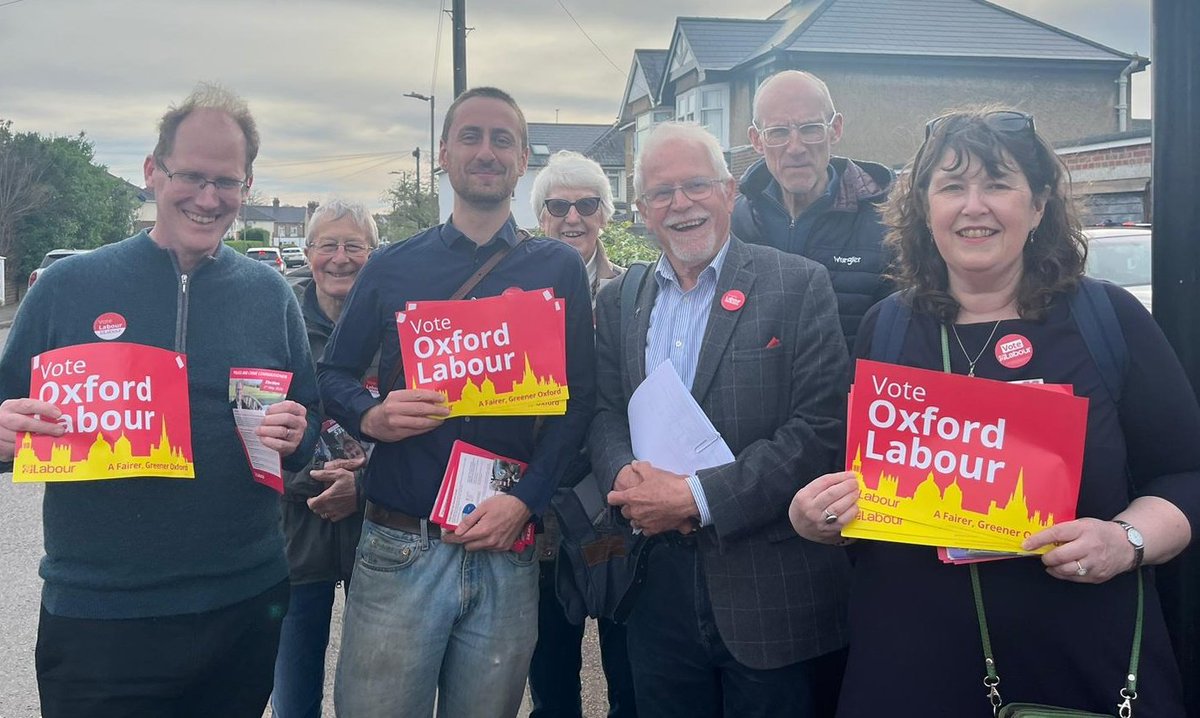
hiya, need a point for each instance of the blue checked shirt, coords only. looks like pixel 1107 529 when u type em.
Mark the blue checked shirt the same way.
pixel 677 324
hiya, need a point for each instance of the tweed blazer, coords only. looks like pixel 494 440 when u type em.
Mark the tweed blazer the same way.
pixel 772 377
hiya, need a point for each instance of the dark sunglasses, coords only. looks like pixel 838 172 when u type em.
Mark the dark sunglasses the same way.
pixel 586 206
pixel 999 120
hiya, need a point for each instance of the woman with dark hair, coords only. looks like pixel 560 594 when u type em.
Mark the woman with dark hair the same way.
pixel 988 245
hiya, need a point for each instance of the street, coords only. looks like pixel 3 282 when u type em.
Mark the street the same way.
pixel 20 587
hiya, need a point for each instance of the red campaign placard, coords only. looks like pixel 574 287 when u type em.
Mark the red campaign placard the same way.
pixel 125 408
pixel 986 457
pixel 488 356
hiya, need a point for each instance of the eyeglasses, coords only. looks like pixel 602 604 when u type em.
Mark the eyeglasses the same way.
pixel 197 181
pixel 585 206
pixel 810 133
pixel 697 190
pixel 999 120
pixel 328 249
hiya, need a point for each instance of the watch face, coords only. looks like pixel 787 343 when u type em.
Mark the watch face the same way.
pixel 1135 537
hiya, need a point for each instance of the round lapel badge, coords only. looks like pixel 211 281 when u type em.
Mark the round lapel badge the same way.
pixel 733 300
pixel 1014 351
pixel 109 326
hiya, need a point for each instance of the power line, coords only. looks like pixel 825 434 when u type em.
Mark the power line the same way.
pixel 589 37
pixel 331 158
pixel 10 2
pixel 437 50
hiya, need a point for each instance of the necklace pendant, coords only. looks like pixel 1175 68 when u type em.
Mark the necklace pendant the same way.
pixel 971 370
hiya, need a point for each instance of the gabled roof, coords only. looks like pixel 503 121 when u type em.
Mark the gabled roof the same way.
pixel 553 136
pixel 947 28
pixel 609 149
pixel 709 43
pixel 645 77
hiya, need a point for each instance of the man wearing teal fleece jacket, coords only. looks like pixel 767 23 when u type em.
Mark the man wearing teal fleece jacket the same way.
pixel 165 596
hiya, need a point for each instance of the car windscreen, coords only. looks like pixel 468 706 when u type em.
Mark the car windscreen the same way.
pixel 1122 262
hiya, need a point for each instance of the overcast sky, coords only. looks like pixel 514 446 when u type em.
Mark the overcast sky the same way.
pixel 326 79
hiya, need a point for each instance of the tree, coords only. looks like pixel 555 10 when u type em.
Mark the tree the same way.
pixel 411 209
pixel 53 195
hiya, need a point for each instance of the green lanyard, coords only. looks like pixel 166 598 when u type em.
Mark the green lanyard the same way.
pixel 992 680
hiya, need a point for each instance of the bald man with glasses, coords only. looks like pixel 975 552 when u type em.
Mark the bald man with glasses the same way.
pixel 801 199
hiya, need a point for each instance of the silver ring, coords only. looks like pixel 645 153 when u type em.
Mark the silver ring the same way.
pixel 287 434
pixel 1080 570
pixel 830 517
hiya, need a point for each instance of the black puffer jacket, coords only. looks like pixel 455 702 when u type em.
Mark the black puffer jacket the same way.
pixel 846 236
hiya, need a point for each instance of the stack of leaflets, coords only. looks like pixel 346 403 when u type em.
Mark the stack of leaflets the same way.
pixel 953 461
pixel 474 475
pixel 498 356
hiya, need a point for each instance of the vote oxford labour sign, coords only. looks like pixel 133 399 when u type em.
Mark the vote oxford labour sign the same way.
pixel 502 355
pixel 125 410
pixel 950 460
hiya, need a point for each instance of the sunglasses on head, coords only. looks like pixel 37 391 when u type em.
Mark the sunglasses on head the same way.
pixel 999 120
pixel 585 206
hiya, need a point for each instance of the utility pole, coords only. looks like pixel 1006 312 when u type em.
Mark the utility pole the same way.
pixel 460 46
pixel 432 135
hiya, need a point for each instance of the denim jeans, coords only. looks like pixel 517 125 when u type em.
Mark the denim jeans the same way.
pixel 300 665
pixel 425 619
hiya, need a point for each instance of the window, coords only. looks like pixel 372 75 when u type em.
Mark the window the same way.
pixel 616 180
pixel 707 105
pixel 645 122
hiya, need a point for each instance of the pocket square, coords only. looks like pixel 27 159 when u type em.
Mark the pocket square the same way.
pixel 773 343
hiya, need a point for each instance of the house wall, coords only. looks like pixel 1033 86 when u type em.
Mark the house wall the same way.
pixel 1112 182
pixel 886 105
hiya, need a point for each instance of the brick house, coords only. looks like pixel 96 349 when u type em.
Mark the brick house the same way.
pixel 890 66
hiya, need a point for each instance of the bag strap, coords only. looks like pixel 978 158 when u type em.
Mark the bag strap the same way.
pixel 891 326
pixel 1101 331
pixel 992 679
pixel 465 289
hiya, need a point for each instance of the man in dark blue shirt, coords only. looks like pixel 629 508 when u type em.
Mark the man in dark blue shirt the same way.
pixel 451 614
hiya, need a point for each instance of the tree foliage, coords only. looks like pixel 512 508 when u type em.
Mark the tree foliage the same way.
pixel 255 236
pixel 53 195
pixel 624 247
pixel 411 208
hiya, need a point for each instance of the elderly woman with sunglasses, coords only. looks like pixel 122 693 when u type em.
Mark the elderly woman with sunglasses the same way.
pixel 572 200
pixel 988 246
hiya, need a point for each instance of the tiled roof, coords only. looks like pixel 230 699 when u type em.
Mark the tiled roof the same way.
pixel 653 63
pixel 562 136
pixel 609 149
pixel 269 213
pixel 721 43
pixel 957 28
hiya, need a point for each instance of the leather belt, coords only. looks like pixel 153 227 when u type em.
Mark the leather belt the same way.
pixel 377 514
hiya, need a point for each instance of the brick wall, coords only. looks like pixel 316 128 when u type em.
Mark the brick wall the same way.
pixel 1109 157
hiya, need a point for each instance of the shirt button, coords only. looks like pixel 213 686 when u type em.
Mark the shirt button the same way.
pixel 678 345
pixel 467 419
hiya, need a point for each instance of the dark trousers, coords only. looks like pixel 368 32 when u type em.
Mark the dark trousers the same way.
pixel 557 659
pixel 216 663
pixel 682 666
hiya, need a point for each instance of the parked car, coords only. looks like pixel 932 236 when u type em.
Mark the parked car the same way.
pixel 293 256
pixel 269 255
pixel 1122 256
pixel 51 257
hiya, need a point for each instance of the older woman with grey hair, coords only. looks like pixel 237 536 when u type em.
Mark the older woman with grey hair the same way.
pixel 322 505
pixel 573 201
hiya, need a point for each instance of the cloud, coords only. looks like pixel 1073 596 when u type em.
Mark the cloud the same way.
pixel 326 80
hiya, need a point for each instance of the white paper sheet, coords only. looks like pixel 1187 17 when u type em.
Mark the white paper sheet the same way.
pixel 669 429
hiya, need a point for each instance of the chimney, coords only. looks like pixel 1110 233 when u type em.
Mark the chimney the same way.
pixel 275 203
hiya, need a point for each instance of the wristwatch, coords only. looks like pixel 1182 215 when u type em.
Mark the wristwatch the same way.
pixel 1135 539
